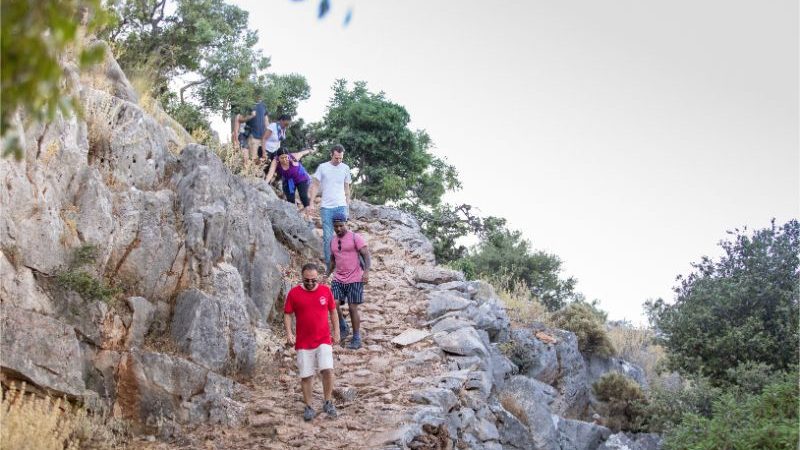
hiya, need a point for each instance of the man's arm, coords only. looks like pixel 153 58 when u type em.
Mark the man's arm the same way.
pixel 235 135
pixel 334 318
pixel 312 194
pixel 347 193
pixel 364 251
pixel 287 324
pixel 333 266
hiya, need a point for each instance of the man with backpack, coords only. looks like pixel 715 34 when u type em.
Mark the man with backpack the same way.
pixel 350 263
pixel 257 123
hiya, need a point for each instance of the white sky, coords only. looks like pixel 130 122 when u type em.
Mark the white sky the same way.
pixel 624 136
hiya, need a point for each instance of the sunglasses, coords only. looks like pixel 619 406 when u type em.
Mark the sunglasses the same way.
pixel 309 280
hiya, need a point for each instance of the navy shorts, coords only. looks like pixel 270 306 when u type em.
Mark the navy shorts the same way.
pixel 353 293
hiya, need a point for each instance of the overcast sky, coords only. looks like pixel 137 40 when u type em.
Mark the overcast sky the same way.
pixel 624 136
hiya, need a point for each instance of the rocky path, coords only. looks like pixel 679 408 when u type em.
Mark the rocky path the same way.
pixel 372 383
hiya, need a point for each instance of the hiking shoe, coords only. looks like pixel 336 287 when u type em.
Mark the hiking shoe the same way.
pixel 329 409
pixel 344 330
pixel 308 413
pixel 355 343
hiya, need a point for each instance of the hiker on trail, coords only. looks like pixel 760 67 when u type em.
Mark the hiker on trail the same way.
pixel 294 175
pixel 334 179
pixel 350 263
pixel 240 133
pixel 312 305
pixel 274 135
pixel 257 124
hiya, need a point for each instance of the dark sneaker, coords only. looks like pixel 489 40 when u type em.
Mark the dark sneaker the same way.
pixel 329 409
pixel 344 330
pixel 355 343
pixel 308 413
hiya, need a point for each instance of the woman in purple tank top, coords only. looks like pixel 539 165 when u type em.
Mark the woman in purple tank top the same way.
pixel 294 175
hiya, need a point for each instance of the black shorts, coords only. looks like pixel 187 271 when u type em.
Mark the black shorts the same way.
pixel 353 293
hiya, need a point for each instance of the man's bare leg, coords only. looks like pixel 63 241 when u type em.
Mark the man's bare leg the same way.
pixel 355 317
pixel 327 383
pixel 306 384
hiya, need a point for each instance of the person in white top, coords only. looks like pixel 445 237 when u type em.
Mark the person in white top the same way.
pixel 274 135
pixel 333 177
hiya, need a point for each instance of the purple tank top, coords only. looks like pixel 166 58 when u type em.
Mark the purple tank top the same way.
pixel 297 173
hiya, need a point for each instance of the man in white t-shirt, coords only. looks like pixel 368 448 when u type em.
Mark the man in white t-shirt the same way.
pixel 333 177
pixel 274 135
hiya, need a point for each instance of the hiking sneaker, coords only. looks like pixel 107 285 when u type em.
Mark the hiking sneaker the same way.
pixel 344 331
pixel 308 413
pixel 329 409
pixel 355 343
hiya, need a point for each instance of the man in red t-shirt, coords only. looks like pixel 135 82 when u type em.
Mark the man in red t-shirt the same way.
pixel 312 305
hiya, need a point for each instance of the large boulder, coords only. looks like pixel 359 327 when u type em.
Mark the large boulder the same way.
pixel 436 275
pixel 527 400
pixel 153 387
pixel 226 219
pixel 214 328
pixel 597 366
pixel 41 351
pixel 577 435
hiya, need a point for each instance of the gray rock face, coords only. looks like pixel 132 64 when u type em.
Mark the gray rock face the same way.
pixel 625 441
pixel 165 228
pixel 155 386
pixel 596 367
pixel 444 398
pixel 530 399
pixel 436 275
pixel 143 314
pixel 440 303
pixel 463 342
pixel 214 328
pixel 41 350
pixel 577 435
pixel 222 216
pixel 402 228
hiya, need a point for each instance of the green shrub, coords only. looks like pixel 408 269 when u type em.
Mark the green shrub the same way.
pixel 666 407
pixel 624 403
pixel 86 285
pixel 741 307
pixel 768 420
pixel 588 325
pixel 81 281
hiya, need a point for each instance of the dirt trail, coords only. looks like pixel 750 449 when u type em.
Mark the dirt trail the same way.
pixel 371 383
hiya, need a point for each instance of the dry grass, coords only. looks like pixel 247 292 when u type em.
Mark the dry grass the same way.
pixel 30 422
pixel 521 306
pixel 511 405
pixel 636 345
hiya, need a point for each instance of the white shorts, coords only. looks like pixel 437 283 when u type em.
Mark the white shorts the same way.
pixel 311 361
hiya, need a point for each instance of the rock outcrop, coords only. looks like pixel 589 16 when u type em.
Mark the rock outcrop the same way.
pixel 198 253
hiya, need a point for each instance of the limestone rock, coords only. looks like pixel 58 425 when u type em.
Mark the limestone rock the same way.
pixel 463 341
pixel 577 435
pixel 436 275
pixel 440 303
pixel 444 398
pixel 143 314
pixel 42 351
pixel 214 328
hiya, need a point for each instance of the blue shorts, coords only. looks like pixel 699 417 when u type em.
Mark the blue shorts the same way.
pixel 353 293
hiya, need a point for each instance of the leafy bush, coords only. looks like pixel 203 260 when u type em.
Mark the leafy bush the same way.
pixel 85 284
pixel 79 280
pixel 743 307
pixel 623 402
pixel 667 406
pixel 588 324
pixel 768 420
